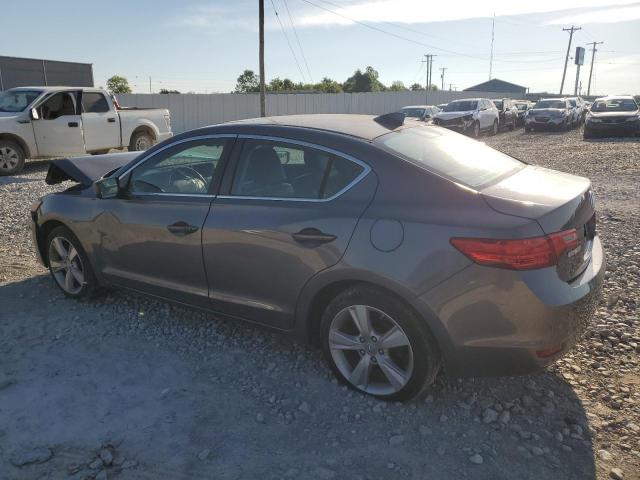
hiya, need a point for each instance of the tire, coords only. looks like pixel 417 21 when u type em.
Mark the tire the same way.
pixel 355 357
pixel 140 141
pixel 74 276
pixel 475 129
pixel 496 128
pixel 527 129
pixel 101 152
pixel 586 134
pixel 12 158
pixel 512 127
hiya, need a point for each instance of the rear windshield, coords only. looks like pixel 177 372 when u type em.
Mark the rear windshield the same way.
pixel 614 105
pixel 454 156
pixel 460 106
pixel 413 112
pixel 550 104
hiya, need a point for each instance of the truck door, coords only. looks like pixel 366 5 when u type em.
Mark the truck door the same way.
pixel 100 123
pixel 58 130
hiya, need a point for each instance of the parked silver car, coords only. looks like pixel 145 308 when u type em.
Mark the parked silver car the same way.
pixel 396 248
pixel 470 116
pixel 423 113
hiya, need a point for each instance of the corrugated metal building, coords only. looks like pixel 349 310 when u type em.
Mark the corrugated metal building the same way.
pixel 497 85
pixel 22 72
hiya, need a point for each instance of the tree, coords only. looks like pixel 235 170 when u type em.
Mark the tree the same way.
pixel 247 82
pixel 366 81
pixel 165 91
pixel 416 87
pixel 398 86
pixel 328 86
pixel 118 84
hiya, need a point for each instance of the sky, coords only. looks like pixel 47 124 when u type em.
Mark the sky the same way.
pixel 202 46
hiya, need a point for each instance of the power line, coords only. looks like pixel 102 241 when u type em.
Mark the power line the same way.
pixel 566 60
pixel 295 58
pixel 295 32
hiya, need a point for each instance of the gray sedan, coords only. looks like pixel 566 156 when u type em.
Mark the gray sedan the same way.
pixel 398 249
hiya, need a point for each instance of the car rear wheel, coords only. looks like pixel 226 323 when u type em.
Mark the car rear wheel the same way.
pixel 140 141
pixel 12 158
pixel 377 345
pixel 68 264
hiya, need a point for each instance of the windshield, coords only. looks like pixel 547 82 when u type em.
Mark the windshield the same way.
pixel 615 105
pixel 459 158
pixel 521 106
pixel 550 104
pixel 498 104
pixel 17 100
pixel 413 112
pixel 460 106
pixel 573 103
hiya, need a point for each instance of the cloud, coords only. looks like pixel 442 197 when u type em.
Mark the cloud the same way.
pixel 611 15
pixel 421 11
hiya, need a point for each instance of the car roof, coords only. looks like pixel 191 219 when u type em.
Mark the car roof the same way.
pixel 59 89
pixel 360 126
pixel 415 106
pixel 616 97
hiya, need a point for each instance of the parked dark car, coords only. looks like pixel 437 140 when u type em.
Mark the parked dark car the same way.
pixel 523 107
pixel 549 114
pixel 611 116
pixel 508 112
pixel 396 248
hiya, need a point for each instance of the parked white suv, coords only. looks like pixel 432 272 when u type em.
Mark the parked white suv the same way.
pixel 37 122
pixel 470 116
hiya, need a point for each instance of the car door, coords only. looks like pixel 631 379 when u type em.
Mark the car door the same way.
pixel 151 234
pixel 58 128
pixel 286 211
pixel 100 124
pixel 486 114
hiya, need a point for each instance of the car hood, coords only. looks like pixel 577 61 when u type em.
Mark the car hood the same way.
pixel 86 170
pixel 450 115
pixel 546 111
pixel 615 114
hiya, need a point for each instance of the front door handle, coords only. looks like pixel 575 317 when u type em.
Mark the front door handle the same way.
pixel 312 235
pixel 72 124
pixel 182 228
pixel 111 120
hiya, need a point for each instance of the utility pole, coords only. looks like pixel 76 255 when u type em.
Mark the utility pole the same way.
pixel 450 85
pixel 429 61
pixel 593 58
pixel 261 54
pixel 566 60
pixel 150 84
pixel 493 30
pixel 442 77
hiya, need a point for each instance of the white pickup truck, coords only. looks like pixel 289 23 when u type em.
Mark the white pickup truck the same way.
pixel 37 122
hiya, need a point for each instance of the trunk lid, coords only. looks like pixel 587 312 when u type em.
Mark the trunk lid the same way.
pixel 557 201
pixel 86 170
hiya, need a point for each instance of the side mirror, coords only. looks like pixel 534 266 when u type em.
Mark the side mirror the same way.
pixel 34 114
pixel 107 187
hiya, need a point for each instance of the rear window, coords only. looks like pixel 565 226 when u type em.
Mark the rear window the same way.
pixel 457 157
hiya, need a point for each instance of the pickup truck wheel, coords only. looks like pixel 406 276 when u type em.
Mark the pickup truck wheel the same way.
pixel 11 158
pixel 140 141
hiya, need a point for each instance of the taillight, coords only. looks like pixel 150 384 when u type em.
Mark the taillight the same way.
pixel 518 254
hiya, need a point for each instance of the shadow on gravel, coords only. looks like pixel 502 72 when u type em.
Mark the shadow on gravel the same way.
pixel 179 394
pixel 16 179
pixel 613 140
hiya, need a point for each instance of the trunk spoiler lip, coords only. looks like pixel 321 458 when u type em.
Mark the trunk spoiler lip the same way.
pixel 87 169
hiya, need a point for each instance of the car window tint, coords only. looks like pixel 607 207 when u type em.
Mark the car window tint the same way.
pixel 187 168
pixel 94 103
pixel 457 157
pixel 282 170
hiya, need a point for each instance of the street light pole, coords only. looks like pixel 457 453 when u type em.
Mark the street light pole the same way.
pixel 261 54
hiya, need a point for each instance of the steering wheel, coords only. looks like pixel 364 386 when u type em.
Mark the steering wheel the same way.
pixel 147 187
pixel 187 173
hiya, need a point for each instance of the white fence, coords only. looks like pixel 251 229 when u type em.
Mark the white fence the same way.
pixel 189 111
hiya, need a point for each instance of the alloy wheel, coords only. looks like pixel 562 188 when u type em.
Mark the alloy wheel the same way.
pixel 9 158
pixel 66 265
pixel 371 350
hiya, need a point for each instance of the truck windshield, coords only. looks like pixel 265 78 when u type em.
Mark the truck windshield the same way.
pixel 17 100
pixel 448 154
pixel 460 106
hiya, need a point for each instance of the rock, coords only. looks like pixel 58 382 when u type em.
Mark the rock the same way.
pixel 443 418
pixel 106 456
pixel 305 408
pixel 489 415
pixel 424 430
pixel 260 418
pixel 204 454
pixel 440 451
pixel 477 459
pixel 324 473
pixel 129 464
pixel 537 451
pixel 96 464
pixel 102 475
pixel 504 417
pixel 396 440
pixel 27 456
pixel 604 455
pixel 616 474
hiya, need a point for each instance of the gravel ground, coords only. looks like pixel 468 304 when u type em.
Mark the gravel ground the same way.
pixel 127 387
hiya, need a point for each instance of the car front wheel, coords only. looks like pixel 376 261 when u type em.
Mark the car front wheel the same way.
pixel 68 264
pixel 12 158
pixel 377 345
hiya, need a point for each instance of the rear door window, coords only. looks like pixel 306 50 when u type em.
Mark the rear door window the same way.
pixel 449 154
pixel 93 102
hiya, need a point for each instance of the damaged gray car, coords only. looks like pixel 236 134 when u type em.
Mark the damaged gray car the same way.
pixel 398 249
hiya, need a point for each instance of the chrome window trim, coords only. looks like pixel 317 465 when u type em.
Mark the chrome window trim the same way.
pixel 364 173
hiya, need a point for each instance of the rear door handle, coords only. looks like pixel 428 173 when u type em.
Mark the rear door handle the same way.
pixel 312 235
pixel 182 228
pixel 73 124
pixel 111 120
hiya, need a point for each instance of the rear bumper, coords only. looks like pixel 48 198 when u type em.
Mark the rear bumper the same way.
pixel 502 322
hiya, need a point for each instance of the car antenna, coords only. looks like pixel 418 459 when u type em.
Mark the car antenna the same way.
pixel 390 120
